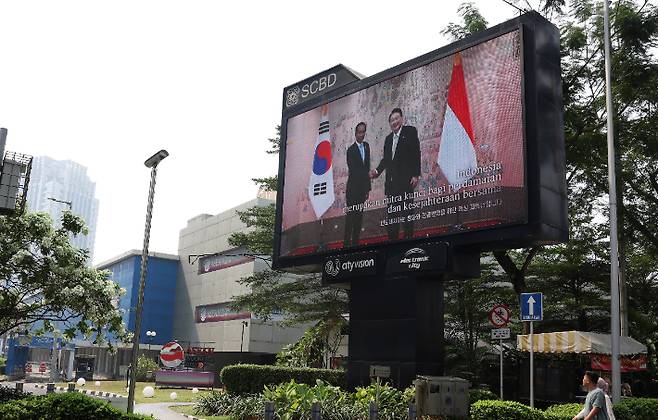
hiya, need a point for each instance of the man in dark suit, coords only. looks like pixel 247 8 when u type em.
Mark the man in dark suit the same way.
pixel 401 162
pixel 358 184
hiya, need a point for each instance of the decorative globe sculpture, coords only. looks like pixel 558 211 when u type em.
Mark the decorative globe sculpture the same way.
pixel 148 392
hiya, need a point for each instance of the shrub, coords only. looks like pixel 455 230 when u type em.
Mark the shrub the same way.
pixel 623 412
pixel 225 404
pixel 475 395
pixel 562 411
pixel 392 403
pixel 508 410
pixel 145 368
pixel 293 400
pixel 636 409
pixel 10 394
pixel 214 403
pixel 251 379
pixel 67 406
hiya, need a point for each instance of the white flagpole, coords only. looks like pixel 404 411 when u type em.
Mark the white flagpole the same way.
pixel 612 185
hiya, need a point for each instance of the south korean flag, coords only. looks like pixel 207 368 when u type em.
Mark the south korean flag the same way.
pixel 321 182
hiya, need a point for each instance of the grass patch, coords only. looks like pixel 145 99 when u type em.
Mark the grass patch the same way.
pixel 161 394
pixel 189 409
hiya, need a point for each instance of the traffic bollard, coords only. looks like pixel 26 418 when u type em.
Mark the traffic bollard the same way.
pixel 71 387
pixel 269 411
pixel 374 411
pixel 19 386
pixel 50 388
pixel 315 411
pixel 412 412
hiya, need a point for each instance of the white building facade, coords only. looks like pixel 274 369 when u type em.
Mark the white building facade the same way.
pixel 66 181
pixel 208 281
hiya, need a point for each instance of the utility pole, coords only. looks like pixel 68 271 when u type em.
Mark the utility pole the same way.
pixel 612 194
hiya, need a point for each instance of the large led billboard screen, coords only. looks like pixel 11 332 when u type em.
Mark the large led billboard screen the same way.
pixel 435 150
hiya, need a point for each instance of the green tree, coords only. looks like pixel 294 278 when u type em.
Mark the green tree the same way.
pixel 314 348
pixel 44 279
pixel 467 303
pixel 634 32
pixel 575 275
pixel 299 298
pixel 635 97
pixel 472 22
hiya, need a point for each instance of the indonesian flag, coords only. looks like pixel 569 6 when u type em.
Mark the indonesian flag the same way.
pixel 457 157
pixel 321 182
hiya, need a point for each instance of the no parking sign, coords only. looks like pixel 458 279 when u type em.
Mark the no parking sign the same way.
pixel 499 316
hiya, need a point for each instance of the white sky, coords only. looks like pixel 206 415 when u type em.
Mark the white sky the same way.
pixel 107 84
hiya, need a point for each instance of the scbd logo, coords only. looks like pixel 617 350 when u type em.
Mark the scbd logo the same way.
pixel 292 96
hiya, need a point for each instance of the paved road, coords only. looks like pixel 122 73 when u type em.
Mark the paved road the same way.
pixel 159 411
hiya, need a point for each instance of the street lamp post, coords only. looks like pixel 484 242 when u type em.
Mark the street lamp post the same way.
pixel 244 324
pixel 151 335
pixel 54 357
pixel 152 163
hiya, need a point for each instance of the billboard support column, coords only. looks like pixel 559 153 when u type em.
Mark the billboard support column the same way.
pixel 396 308
pixel 396 327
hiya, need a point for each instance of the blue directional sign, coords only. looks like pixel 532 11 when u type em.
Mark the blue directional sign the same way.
pixel 532 308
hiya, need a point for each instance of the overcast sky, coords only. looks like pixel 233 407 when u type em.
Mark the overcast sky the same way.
pixel 107 84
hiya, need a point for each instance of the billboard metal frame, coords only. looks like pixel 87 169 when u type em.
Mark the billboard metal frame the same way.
pixel 546 192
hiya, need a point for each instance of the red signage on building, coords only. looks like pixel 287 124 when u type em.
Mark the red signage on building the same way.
pixel 628 364
pixel 218 312
pixel 200 350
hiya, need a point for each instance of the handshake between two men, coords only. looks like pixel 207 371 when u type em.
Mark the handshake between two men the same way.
pixel 413 182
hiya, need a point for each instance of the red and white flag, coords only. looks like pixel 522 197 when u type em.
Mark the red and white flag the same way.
pixel 457 158
pixel 321 182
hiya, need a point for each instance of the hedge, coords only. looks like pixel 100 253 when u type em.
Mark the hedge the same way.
pixel 10 394
pixel 562 411
pixel 636 409
pixel 508 410
pixel 475 395
pixel 251 379
pixel 65 406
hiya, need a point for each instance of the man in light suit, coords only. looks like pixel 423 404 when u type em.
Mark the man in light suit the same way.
pixel 401 162
pixel 358 184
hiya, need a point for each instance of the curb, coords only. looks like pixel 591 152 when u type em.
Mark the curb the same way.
pixel 189 416
pixel 93 393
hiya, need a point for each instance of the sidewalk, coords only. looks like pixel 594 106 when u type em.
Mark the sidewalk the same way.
pixel 159 411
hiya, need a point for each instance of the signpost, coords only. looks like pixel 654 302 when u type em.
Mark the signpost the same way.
pixel 499 317
pixel 532 309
